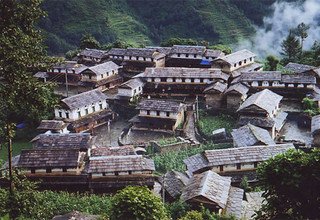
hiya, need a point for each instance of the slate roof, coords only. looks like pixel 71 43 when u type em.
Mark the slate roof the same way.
pixel 83 99
pixel 237 56
pixel 315 124
pixel 298 68
pixel 117 52
pixel 261 76
pixel 160 105
pixel 164 50
pixel 247 68
pixel 65 141
pixel 234 203
pixel 295 78
pixel 257 121
pixel 238 88
pixel 42 75
pixel 266 100
pixel 110 164
pixel 217 86
pixel 178 72
pixel 210 158
pixel 93 53
pixel 49 158
pixel 132 83
pixel 174 182
pixel 102 68
pixel 144 52
pixel 70 65
pixel 113 151
pixel 209 185
pixel 199 50
pixel 52 125
pixel 213 53
pixel 250 135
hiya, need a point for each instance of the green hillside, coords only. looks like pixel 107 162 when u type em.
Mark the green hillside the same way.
pixel 144 22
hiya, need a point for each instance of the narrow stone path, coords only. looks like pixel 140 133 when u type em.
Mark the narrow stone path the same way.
pixel 190 126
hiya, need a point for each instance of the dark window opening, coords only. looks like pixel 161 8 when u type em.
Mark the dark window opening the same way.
pixel 168 114
pixel 79 114
pixel 130 172
pixel 192 80
pixel 86 110
pixel 137 58
pixel 33 170
pixel 221 168
pixel 103 174
pixel 195 55
pixel 148 112
pixel 178 54
pixel 48 170
pixel 187 55
pixel 64 170
pixel 158 113
pixel 60 114
pixel 67 114
pixel 255 164
pixel 238 166
pixel 163 79
pixel 116 173
pixel 100 105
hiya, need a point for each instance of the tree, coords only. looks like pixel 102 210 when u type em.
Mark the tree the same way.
pixel 301 31
pixel 271 63
pixel 88 41
pixel 22 97
pixel 137 203
pixel 291 49
pixel 291 184
pixel 178 41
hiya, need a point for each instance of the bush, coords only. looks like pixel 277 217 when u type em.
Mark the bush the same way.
pixel 178 209
pixel 137 203
pixel 192 215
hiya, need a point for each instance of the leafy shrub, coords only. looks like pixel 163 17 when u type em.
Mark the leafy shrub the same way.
pixel 178 209
pixel 192 215
pixel 137 203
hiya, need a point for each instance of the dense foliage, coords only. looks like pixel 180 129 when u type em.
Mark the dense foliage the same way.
pixel 310 107
pixel 174 160
pixel 208 123
pixel 291 184
pixel 137 203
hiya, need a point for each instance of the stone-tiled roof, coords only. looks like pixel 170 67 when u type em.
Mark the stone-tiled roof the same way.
pixel 217 86
pixel 237 88
pixel 164 50
pixel 160 105
pixel 208 185
pixel 234 203
pixel 52 125
pixel 132 83
pixel 298 68
pixel 266 100
pixel 113 151
pixel 264 122
pixel 250 135
pixel 117 52
pixel 210 158
pixel 65 141
pixel 213 53
pixel 85 98
pixel 144 52
pixel 49 158
pixel 248 68
pixel 102 68
pixel 174 182
pixel 298 78
pixel 127 163
pixel 315 124
pixel 95 53
pixel 260 75
pixel 199 50
pixel 70 66
pixel 237 56
pixel 178 72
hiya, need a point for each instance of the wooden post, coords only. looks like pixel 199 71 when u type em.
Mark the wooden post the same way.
pixel 10 158
pixel 67 89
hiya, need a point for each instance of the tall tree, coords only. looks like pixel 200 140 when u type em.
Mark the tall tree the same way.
pixel 22 97
pixel 88 41
pixel 291 49
pixel 302 32
pixel 291 183
pixel 271 63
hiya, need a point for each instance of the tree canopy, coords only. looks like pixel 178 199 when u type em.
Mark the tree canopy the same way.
pixel 291 48
pixel 291 184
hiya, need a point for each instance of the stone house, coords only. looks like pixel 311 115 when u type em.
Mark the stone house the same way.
pixel 261 107
pixel 159 115
pixel 130 89
pixel 315 129
pixel 117 55
pixel 250 135
pixel 102 76
pixel 177 81
pixel 85 110
pixel 214 192
pixel 53 126
pixel 92 56
pixel 235 162
pixel 304 70
pixel 214 95
pixel 234 61
pixel 235 95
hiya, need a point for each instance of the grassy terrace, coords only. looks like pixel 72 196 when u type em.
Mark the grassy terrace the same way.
pixel 167 141
pixel 174 160
pixel 208 123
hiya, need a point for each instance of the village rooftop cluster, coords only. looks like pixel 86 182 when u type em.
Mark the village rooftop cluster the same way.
pixel 167 87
